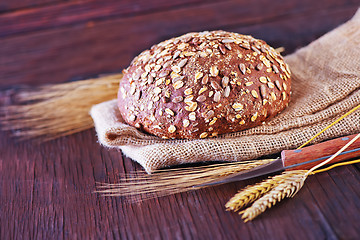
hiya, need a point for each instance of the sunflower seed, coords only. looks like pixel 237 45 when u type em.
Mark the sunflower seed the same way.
pixel 263 91
pixel 176 54
pixel 276 70
pixel 157 90
pixel 198 75
pixel 242 68
pixel 178 84
pixel 177 99
pixel 188 91
pixel 227 91
pixel 182 63
pixel 273 96
pixel 201 98
pixel 205 79
pixel 176 69
pixel 222 49
pixel 215 85
pixel 214 71
pixel 217 97
pixel 270 85
pixel 278 85
pixel 203 89
pixel 224 81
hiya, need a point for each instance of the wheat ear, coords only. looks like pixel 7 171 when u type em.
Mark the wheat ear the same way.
pixel 248 195
pixel 171 181
pixel 57 110
pixel 289 183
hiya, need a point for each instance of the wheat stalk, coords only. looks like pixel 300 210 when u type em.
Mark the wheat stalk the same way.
pixel 289 183
pixel 171 181
pixel 57 110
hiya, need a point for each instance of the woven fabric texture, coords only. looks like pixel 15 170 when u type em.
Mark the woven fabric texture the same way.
pixel 325 85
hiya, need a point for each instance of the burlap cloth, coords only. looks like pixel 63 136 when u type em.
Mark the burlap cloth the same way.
pixel 326 84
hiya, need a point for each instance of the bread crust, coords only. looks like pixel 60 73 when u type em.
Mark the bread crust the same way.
pixel 200 85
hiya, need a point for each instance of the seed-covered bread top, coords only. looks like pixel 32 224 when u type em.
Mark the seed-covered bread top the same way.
pixel 203 84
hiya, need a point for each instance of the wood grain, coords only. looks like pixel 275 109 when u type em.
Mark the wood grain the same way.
pixel 85 49
pixel 47 190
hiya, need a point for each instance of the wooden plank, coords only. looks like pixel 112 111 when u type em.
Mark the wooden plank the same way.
pixel 83 50
pixel 76 12
pixel 11 5
pixel 46 191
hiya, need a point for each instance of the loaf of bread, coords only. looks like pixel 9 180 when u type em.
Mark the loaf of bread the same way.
pixel 203 84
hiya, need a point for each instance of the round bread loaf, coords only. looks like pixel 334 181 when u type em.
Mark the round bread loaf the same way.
pixel 203 84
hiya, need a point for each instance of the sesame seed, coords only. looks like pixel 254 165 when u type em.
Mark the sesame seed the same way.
pixel 227 40
pixel 186 123
pixel 214 71
pixel 201 98
pixel 264 101
pixel 249 83
pixel 254 93
pixel 156 98
pixel 237 106
pixel 188 91
pixel 211 93
pixel 172 129
pixel 217 97
pixel 204 135
pixel 174 75
pixel 284 95
pixel 144 75
pixel 188 99
pixel 178 84
pixel 242 122
pixel 238 116
pixel 192 116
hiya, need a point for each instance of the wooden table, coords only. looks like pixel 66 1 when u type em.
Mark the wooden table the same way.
pixel 46 191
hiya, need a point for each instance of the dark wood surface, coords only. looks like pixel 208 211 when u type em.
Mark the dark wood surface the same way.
pixel 46 191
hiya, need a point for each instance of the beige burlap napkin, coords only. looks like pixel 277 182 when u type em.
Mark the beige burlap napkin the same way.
pixel 326 84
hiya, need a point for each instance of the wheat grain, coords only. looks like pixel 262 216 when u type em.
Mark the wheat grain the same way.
pixel 57 110
pixel 289 184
